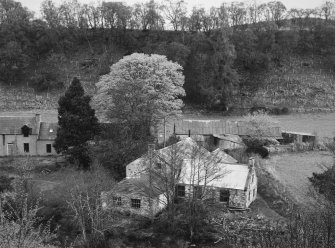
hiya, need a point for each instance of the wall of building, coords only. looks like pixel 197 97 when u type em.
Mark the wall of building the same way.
pixel 144 210
pixel 237 198
pixel 251 188
pixel 42 148
pixel 18 141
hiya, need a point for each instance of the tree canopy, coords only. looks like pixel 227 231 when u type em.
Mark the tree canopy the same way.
pixel 141 88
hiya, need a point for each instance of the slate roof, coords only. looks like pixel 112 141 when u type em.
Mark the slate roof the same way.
pixel 226 172
pixel 229 176
pixel 223 157
pixel 184 149
pixel 48 131
pixel 140 186
pixel 13 124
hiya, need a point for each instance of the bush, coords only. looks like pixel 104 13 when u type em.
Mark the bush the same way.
pixel 259 142
pixel 257 109
pixel 284 110
pixel 262 151
pixel 5 183
pixel 279 111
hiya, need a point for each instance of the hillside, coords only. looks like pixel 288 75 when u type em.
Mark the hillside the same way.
pixel 301 83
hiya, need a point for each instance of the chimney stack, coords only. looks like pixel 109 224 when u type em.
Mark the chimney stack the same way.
pixel 151 149
pixel 38 118
pixel 251 162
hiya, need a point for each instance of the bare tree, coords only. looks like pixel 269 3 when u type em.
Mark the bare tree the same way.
pixel 175 11
pixel 327 10
pixel 191 167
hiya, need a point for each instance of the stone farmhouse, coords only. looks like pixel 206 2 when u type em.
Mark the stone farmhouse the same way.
pixel 214 176
pixel 26 135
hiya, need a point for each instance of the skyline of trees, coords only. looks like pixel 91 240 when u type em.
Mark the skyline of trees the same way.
pixel 169 14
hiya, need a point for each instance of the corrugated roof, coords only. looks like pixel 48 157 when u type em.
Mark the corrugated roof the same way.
pixel 210 127
pixel 48 131
pixel 299 133
pixel 13 124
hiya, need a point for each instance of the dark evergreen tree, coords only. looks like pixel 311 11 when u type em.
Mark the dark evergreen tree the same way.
pixel 77 124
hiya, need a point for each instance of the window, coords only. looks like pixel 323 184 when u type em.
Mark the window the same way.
pixel 135 203
pixel 51 130
pixel 197 191
pixel 224 195
pixel 180 191
pixel 252 178
pixel 26 131
pixel 117 201
pixel 158 166
pixel 249 196
pixel 48 148
pixel 26 147
pixel 254 192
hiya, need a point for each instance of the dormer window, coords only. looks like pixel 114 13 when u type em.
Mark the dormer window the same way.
pixel 26 130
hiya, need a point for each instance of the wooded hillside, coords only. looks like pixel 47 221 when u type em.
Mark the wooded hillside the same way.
pixel 235 55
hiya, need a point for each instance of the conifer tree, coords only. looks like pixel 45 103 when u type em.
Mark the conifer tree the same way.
pixel 77 124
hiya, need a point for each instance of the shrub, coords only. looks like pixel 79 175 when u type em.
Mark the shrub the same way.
pixel 5 183
pixel 284 110
pixel 261 151
pixel 257 109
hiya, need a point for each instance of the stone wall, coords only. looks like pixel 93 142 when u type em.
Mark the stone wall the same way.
pixel 125 206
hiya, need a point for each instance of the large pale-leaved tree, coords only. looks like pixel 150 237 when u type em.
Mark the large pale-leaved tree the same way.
pixel 140 88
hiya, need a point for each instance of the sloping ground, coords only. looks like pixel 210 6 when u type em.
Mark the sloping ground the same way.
pixel 82 64
pixel 298 83
pixel 293 170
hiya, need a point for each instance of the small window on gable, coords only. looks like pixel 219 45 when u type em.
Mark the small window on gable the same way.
pixel 26 130
pixel 224 195
pixel 135 203
pixel 117 201
pixel 180 191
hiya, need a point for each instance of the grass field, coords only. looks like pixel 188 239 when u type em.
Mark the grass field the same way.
pixel 293 170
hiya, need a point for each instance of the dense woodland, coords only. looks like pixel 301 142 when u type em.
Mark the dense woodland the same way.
pixel 224 51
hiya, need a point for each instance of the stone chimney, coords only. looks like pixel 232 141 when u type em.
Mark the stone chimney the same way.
pixel 251 162
pixel 38 118
pixel 151 149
